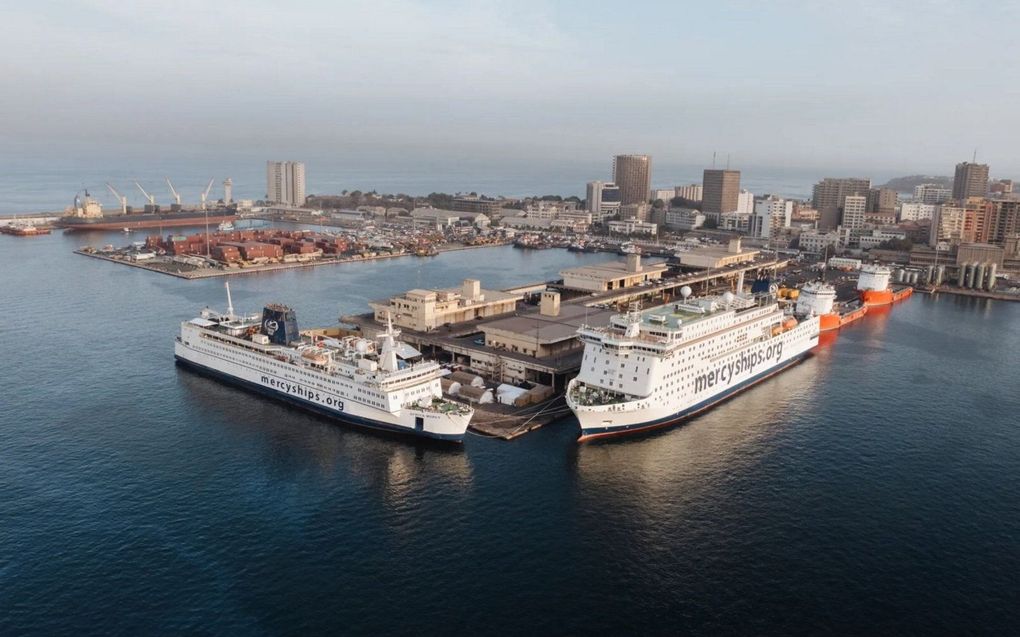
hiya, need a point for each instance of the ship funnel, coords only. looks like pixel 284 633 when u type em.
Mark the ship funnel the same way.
pixel 279 323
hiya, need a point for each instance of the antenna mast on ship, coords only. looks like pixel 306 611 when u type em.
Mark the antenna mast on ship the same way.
pixel 230 301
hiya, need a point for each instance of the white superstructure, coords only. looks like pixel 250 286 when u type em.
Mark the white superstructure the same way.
pixel 382 385
pixel 650 368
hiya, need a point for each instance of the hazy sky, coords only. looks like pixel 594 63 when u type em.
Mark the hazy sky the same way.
pixel 865 86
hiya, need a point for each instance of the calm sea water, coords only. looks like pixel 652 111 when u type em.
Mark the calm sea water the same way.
pixel 871 490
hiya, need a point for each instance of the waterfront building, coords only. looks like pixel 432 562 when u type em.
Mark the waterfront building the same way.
pixel 683 219
pixel 435 216
pixel 633 226
pixel 829 194
pixel 771 215
pixel 970 180
pixel 720 192
pixel 426 310
pixel 633 175
pixel 285 182
pixel 932 193
pixel 612 275
pixel 980 253
pixel 714 257
pixel 485 206
pixel 692 192
pixel 603 200
pixel 636 211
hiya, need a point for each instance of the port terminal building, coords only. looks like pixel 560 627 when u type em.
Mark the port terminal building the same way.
pixel 614 275
pixel 714 257
pixel 426 310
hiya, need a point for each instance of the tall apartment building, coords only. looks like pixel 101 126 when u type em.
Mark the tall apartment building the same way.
pixel 971 180
pixel 602 200
pixel 285 182
pixel 720 192
pixel 633 175
pixel 932 193
pixel 1003 221
pixel 1001 187
pixel 829 194
pixel 692 193
pixel 771 215
pixel 947 225
pixel 855 209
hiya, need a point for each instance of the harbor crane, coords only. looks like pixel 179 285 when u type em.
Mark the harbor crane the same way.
pixel 150 198
pixel 173 191
pixel 121 198
pixel 205 195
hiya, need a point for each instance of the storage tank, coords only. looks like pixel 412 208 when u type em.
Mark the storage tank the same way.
pixel 979 277
pixel 899 275
pixel 962 276
pixel 968 279
pixel 940 274
pixel 929 274
pixel 992 267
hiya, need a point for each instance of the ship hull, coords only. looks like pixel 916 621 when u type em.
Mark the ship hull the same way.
pixel 835 320
pixel 599 433
pixel 133 222
pixel 418 424
pixel 884 297
pixel 714 381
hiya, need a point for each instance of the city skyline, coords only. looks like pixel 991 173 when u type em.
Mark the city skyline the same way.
pixel 445 81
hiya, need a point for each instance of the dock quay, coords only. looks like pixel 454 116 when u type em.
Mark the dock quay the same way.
pixel 502 342
pixel 184 270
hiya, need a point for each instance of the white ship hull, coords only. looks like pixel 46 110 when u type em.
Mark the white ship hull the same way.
pixel 280 380
pixel 680 384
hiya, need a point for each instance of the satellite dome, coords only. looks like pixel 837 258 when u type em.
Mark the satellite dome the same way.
pixel 685 291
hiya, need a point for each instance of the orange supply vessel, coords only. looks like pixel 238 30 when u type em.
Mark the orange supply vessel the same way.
pixel 874 288
pixel 818 298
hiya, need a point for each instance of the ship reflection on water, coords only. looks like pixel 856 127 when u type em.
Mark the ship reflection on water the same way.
pixel 292 441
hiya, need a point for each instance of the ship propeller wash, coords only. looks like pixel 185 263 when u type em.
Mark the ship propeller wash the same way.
pixel 652 368
pixel 384 385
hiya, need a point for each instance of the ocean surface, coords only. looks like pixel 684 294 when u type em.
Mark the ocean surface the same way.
pixel 873 489
pixel 37 185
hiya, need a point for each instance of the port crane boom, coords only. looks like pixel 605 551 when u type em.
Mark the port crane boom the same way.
pixel 205 195
pixel 173 191
pixel 121 198
pixel 151 199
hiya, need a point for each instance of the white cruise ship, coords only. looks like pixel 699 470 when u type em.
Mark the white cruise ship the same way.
pixel 652 368
pixel 383 386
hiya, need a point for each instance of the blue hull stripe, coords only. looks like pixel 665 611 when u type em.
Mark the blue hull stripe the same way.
pixel 314 407
pixel 601 432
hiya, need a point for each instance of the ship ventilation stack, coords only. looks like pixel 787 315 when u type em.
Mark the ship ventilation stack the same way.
pixel 279 323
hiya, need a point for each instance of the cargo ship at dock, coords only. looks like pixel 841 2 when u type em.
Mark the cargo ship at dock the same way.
pixel 651 369
pixel 875 289
pixel 386 386
pixel 87 214
pixel 818 298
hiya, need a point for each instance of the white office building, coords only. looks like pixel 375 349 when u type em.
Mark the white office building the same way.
pixel 602 200
pixel 771 215
pixel 931 193
pixel 916 211
pixel 285 182
pixel 745 202
pixel 693 192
